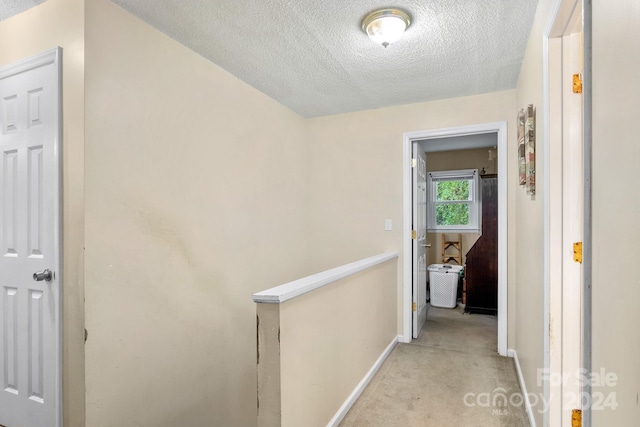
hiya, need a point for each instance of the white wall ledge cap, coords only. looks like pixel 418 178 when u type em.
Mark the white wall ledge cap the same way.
pixel 282 293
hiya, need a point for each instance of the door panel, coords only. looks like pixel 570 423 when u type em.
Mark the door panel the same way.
pixel 30 366
pixel 419 203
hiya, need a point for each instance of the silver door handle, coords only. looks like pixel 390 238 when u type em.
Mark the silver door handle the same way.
pixel 427 245
pixel 45 274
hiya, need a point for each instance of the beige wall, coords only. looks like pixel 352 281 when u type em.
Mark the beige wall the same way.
pixel 195 199
pixel 356 176
pixel 330 338
pixel 51 24
pixel 616 283
pixel 529 249
pixel 476 158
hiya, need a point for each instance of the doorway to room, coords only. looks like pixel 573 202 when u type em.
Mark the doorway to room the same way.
pixel 490 136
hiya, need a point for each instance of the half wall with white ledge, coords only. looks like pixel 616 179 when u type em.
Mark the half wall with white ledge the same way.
pixel 322 338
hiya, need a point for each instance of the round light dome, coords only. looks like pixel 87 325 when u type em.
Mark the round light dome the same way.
pixel 386 26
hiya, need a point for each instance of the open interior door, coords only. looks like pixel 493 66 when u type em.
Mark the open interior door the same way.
pixel 30 286
pixel 419 235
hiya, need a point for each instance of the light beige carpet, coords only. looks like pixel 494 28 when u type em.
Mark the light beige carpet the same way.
pixel 451 375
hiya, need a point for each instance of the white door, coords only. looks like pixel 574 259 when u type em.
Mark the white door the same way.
pixel 419 203
pixel 30 369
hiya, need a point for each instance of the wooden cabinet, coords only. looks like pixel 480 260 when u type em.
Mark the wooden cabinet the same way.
pixel 481 270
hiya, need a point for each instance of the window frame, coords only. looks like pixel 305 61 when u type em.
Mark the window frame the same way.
pixel 475 204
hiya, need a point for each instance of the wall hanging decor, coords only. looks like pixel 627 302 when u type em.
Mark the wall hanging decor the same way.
pixel 530 149
pixel 522 173
pixel 527 148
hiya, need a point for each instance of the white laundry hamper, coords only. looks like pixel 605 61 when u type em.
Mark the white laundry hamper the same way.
pixel 443 280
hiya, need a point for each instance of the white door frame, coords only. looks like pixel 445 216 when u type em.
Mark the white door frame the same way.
pixel 408 137
pixel 54 57
pixel 563 189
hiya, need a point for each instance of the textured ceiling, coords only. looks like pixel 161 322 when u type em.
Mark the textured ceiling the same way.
pixel 8 8
pixel 312 56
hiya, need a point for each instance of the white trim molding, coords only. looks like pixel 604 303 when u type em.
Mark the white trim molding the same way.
pixel 282 293
pixel 39 60
pixel 408 138
pixel 346 406
pixel 523 388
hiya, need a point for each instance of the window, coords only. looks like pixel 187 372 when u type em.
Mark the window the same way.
pixel 454 201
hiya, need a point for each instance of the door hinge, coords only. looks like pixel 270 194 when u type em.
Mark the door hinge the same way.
pixel 577 252
pixel 413 307
pixel 577 83
pixel 576 418
pixel 413 234
pixel 414 163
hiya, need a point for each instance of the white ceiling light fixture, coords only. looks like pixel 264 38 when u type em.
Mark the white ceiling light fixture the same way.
pixel 386 26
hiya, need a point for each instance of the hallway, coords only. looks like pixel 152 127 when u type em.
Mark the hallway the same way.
pixel 451 375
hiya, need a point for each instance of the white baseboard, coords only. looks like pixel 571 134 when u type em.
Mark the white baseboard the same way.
pixel 342 412
pixel 523 387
